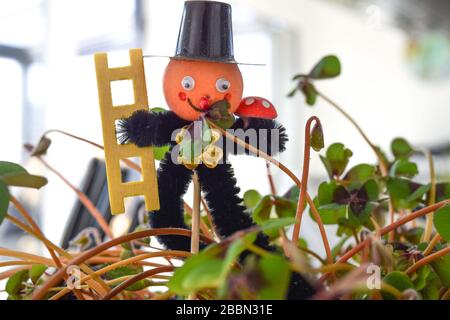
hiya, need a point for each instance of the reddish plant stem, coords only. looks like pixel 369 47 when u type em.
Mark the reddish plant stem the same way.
pixel 128 162
pixel 273 189
pixel 56 277
pixel 427 260
pixel 393 226
pixel 38 231
pixel 305 175
pixel 35 227
pixel 432 244
pixel 291 175
pixel 135 279
pixel 97 284
pixel 83 198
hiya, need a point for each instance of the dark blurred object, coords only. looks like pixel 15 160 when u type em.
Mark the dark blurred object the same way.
pixel 95 188
pixel 420 14
pixel 409 15
pixel 81 223
pixel 441 150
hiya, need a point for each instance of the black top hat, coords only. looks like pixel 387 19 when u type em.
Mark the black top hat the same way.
pixel 206 32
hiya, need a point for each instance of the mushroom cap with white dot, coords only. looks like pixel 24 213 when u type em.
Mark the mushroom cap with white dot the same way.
pixel 249 101
pixel 266 104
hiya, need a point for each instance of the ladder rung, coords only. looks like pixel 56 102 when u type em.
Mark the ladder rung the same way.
pixel 125 111
pixel 120 73
pixel 134 188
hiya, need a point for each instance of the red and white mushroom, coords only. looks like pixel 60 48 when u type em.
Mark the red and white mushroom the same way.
pixel 256 107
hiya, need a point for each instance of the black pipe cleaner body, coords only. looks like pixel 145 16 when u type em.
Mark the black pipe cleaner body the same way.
pixel 145 128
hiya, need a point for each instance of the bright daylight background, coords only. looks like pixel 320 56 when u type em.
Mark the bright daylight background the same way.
pixel 395 80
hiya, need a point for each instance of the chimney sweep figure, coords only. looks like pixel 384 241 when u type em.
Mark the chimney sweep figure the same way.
pixel 203 81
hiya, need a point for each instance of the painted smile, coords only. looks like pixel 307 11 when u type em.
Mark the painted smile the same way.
pixel 194 107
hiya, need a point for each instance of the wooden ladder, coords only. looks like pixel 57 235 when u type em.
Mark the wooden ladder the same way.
pixel 114 152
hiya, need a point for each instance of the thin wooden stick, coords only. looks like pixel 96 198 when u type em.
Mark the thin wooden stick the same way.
pixel 195 224
pixel 195 221
pixel 429 222
pixel 203 226
pixel 273 189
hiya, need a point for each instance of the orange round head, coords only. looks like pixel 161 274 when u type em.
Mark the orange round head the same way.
pixel 192 87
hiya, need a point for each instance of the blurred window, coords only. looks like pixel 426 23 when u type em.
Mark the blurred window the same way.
pixel 11 82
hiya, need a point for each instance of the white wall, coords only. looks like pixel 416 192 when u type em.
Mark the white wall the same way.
pixel 376 87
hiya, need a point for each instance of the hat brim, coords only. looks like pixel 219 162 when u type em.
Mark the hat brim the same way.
pixel 204 60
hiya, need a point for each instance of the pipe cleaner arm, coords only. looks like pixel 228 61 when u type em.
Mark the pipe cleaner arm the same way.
pixel 147 128
pixel 267 135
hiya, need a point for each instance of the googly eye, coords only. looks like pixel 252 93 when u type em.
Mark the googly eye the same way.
pixel 188 83
pixel 222 85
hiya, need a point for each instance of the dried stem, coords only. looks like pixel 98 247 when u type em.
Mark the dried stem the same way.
pixel 128 261
pixel 35 227
pixel 446 295
pixel 17 263
pixel 38 231
pixel 305 173
pixel 432 244
pixel 393 226
pixel 427 259
pixel 27 257
pixel 99 285
pixel 135 279
pixel 10 272
pixel 56 277
pixel 83 198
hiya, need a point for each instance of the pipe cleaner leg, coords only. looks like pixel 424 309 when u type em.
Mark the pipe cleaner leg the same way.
pixel 173 181
pixel 221 193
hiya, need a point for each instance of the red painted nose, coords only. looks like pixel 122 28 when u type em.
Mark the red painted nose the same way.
pixel 205 103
